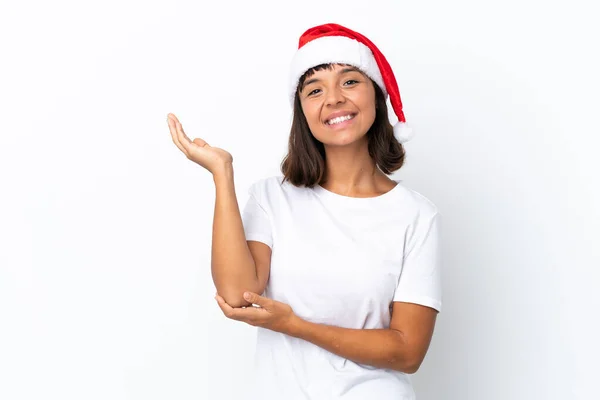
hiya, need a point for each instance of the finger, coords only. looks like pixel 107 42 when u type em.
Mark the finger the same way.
pixel 190 146
pixel 173 130
pixel 226 308
pixel 183 139
pixel 233 313
pixel 181 133
pixel 245 314
pixel 200 142
pixel 256 299
pixel 173 117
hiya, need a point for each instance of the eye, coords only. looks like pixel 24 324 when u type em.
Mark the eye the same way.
pixel 351 81
pixel 312 92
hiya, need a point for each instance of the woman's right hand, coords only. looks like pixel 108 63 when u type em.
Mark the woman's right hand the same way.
pixel 200 152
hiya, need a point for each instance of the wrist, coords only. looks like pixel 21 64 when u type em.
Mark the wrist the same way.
pixel 223 173
pixel 295 326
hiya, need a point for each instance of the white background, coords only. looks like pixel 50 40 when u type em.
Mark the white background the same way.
pixel 105 226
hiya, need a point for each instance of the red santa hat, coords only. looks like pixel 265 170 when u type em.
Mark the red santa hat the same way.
pixel 335 44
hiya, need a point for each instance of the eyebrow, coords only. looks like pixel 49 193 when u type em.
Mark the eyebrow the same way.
pixel 343 71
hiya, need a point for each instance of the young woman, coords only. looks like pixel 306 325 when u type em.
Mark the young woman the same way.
pixel 336 264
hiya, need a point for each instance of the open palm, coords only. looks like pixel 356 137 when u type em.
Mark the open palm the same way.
pixel 200 152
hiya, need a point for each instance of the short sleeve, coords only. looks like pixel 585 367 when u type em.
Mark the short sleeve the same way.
pixel 420 279
pixel 255 220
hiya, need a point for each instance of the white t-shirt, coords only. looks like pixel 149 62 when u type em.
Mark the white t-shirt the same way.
pixel 339 261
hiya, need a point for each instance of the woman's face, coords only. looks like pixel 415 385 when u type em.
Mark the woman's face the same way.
pixel 339 104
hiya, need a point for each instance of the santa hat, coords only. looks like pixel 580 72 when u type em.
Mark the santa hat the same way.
pixel 335 44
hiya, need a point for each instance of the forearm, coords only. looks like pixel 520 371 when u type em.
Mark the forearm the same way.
pixel 232 266
pixel 382 348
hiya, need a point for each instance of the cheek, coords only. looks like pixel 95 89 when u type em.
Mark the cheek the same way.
pixel 312 115
pixel 369 109
pixel 372 115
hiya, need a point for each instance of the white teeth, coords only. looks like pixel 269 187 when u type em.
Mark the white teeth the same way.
pixel 339 119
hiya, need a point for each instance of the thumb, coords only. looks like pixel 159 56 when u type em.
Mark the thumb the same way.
pixel 255 298
pixel 200 142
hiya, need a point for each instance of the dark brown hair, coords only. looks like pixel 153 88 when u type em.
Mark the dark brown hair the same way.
pixel 304 165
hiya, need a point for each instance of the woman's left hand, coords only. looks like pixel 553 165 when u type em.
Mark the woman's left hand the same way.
pixel 271 314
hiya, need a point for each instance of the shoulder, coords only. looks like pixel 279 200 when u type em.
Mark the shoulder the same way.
pixel 268 183
pixel 274 184
pixel 416 202
pixel 273 187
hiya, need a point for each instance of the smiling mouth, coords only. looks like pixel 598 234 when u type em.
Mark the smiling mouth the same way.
pixel 339 120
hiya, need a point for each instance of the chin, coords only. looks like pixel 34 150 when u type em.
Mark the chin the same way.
pixel 340 138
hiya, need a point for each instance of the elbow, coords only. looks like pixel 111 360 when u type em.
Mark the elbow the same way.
pixel 234 295
pixel 408 365
pixel 411 366
pixel 405 359
pixel 233 292
pixel 235 300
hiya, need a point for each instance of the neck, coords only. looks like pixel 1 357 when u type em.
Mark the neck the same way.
pixel 350 170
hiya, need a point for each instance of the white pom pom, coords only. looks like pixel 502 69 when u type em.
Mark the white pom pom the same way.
pixel 402 132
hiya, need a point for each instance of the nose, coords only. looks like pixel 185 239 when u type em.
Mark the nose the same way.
pixel 334 96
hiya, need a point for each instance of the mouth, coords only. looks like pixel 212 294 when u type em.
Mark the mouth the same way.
pixel 339 120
